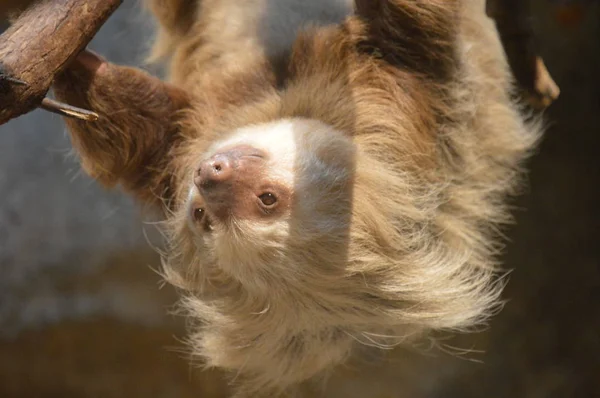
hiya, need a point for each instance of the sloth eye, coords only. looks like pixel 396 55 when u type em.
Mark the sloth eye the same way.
pixel 199 214
pixel 268 199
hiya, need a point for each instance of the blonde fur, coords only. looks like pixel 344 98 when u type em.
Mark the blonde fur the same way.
pixel 282 304
pixel 399 150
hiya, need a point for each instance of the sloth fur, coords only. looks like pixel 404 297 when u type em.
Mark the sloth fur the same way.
pixel 390 125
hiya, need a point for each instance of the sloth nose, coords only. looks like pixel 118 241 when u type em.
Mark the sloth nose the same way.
pixel 213 171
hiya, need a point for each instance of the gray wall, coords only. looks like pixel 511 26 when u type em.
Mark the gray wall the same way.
pixel 54 221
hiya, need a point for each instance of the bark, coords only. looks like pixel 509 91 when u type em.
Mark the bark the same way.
pixel 38 46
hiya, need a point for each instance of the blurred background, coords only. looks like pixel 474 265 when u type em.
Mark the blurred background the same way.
pixel 83 314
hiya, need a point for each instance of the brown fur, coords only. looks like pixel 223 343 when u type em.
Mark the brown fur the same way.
pixel 408 143
pixel 151 111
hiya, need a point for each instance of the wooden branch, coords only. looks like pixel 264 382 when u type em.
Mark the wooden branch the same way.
pixel 43 40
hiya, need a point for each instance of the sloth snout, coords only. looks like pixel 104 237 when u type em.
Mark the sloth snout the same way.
pixel 227 181
pixel 241 160
pixel 213 171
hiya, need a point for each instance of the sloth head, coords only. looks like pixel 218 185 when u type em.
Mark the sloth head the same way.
pixel 257 199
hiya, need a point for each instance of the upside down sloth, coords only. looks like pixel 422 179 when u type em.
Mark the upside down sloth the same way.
pixel 331 173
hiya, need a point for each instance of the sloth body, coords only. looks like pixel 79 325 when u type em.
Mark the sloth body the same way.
pixel 333 175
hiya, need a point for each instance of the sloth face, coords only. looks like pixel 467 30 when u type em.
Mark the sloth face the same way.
pixel 268 189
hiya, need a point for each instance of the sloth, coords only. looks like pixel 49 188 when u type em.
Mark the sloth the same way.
pixel 333 175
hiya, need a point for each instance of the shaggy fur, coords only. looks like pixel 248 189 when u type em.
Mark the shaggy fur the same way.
pixel 394 134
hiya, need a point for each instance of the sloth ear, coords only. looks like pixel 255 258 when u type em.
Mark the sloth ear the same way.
pixel 129 144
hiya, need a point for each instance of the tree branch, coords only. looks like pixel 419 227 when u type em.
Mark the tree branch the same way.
pixel 43 40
